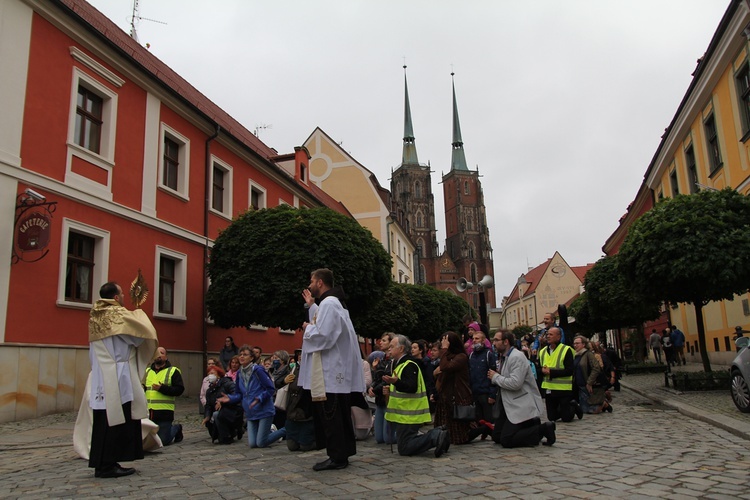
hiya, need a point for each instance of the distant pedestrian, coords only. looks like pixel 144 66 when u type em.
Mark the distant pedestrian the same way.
pixel 678 342
pixel 666 344
pixel 655 342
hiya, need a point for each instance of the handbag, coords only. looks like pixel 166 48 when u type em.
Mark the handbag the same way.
pixel 464 413
pixel 281 398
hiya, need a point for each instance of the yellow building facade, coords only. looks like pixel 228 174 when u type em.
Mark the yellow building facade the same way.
pixel 346 180
pixel 707 146
pixel 540 291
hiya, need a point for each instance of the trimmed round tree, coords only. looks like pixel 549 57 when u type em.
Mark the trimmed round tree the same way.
pixel 692 249
pixel 261 262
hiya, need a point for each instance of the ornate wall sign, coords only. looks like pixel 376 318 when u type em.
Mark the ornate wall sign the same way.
pixel 33 232
pixel 33 226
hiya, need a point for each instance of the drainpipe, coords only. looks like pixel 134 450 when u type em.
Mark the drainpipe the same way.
pixel 206 210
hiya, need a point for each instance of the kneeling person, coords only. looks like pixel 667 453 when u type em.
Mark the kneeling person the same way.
pixel 408 408
pixel 519 423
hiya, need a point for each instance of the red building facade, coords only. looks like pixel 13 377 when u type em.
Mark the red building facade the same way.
pixel 144 171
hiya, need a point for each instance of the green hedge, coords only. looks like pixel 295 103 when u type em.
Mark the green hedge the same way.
pixel 641 368
pixel 701 381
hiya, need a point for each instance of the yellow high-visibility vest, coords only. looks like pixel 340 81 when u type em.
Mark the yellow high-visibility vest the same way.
pixel 555 361
pixel 155 399
pixel 405 407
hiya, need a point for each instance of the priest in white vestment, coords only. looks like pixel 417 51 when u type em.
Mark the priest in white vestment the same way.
pixel 121 344
pixel 331 368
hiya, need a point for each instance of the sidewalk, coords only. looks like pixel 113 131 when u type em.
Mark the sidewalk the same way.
pixel 713 407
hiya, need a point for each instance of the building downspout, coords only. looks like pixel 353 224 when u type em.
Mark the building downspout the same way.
pixel 206 209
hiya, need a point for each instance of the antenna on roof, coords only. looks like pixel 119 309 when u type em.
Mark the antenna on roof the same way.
pixel 135 18
pixel 260 127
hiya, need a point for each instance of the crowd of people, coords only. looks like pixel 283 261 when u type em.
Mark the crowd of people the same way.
pixel 504 383
pixel 328 395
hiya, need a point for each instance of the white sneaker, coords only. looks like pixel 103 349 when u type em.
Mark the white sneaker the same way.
pixel 273 428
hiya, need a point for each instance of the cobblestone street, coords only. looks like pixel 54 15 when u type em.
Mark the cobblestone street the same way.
pixel 647 448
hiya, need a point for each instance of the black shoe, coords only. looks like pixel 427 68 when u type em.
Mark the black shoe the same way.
pixel 115 471
pixel 443 443
pixel 330 465
pixel 178 437
pixel 548 431
pixel 239 434
pixel 579 412
pixel 608 409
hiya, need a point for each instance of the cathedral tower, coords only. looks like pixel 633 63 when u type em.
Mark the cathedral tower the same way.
pixel 467 242
pixel 411 186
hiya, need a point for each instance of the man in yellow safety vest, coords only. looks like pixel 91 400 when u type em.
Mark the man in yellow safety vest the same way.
pixel 408 408
pixel 163 384
pixel 557 360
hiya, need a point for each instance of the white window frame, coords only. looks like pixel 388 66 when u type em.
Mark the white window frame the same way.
pixel 180 284
pixel 227 213
pixel 101 261
pixel 105 159
pixel 183 157
pixel 253 186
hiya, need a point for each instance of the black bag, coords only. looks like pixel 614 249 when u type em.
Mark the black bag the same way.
pixel 464 413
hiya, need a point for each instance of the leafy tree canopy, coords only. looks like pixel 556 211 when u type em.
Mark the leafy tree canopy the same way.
pixel 392 313
pixel 521 330
pixel 611 301
pixel 691 248
pixel 437 312
pixel 261 262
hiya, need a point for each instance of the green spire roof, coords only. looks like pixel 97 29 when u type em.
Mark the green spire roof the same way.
pixel 409 155
pixel 458 159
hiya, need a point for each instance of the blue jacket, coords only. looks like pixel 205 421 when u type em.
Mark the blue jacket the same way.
pixel 678 338
pixel 479 363
pixel 260 387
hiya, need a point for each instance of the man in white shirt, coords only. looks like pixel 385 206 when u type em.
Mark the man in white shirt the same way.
pixel 116 395
pixel 331 368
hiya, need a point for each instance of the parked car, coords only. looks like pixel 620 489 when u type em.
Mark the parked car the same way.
pixel 740 371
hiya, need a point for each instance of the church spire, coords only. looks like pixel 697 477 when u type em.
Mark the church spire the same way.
pixel 409 155
pixel 458 159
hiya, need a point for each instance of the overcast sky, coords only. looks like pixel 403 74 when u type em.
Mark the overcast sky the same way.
pixel 562 103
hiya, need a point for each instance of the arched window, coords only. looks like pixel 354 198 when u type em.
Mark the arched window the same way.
pixel 419 220
pixel 422 275
pixel 418 189
pixel 471 250
pixel 466 187
pixel 473 273
pixel 420 248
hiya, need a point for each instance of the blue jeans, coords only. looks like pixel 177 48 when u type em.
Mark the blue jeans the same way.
pixel 583 400
pixel 259 433
pixel 384 432
pixel 167 432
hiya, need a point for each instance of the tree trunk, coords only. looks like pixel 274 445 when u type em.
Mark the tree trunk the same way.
pixel 640 344
pixel 701 335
